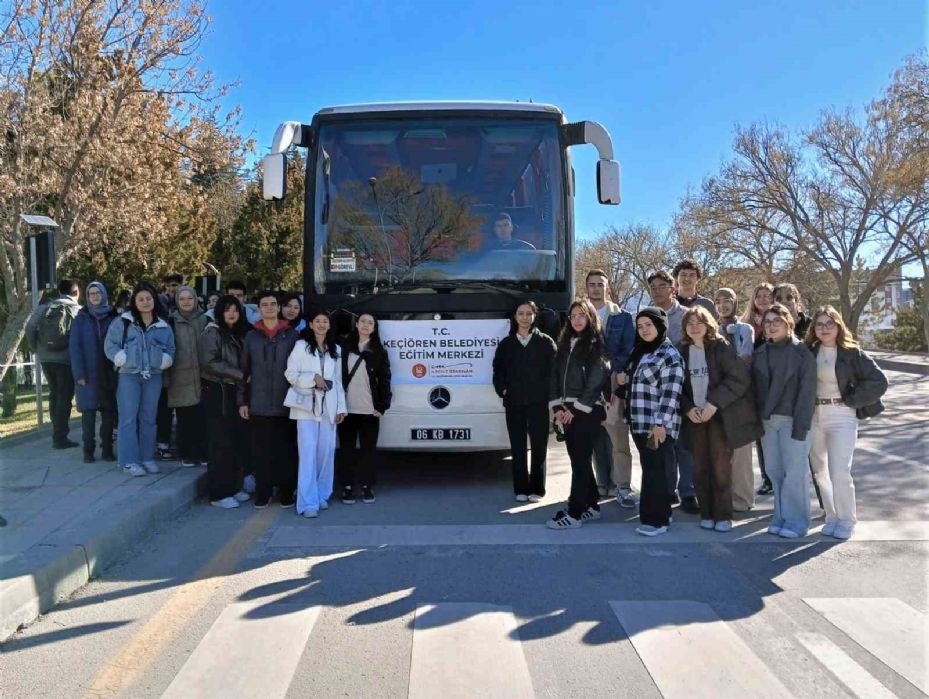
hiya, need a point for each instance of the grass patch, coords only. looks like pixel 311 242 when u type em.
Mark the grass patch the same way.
pixel 25 417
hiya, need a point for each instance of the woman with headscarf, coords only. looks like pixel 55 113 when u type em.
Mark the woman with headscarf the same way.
pixel 94 375
pixel 184 390
pixel 653 382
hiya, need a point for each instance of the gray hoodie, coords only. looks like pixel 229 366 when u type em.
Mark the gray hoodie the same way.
pixel 32 331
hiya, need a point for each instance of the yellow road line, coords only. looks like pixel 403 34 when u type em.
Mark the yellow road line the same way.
pixel 134 657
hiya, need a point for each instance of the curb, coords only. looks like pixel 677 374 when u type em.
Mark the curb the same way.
pixel 906 367
pixel 60 565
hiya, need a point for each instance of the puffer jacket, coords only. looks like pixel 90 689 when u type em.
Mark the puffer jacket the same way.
pixel 579 382
pixel 264 360
pixel 183 379
pixel 144 351
pixel 220 356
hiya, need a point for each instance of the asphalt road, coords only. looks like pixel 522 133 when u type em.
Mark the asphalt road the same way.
pixel 447 587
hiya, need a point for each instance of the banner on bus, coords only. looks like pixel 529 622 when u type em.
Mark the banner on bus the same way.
pixel 451 351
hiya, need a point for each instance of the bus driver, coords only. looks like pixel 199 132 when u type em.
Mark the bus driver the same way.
pixel 503 235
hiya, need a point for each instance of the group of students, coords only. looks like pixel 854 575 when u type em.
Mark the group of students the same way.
pixel 696 386
pixel 259 403
pixel 261 393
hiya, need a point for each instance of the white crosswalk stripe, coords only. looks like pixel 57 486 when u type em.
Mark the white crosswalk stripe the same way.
pixel 887 628
pixel 690 652
pixel 248 652
pixel 467 650
pixel 855 678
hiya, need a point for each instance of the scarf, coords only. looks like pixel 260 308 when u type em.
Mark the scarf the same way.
pixel 102 309
pixel 643 347
pixel 192 314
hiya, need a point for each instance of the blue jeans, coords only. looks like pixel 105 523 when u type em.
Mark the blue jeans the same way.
pixel 788 467
pixel 603 459
pixel 137 400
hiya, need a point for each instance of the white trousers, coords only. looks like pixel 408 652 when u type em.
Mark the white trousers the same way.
pixel 316 444
pixel 835 430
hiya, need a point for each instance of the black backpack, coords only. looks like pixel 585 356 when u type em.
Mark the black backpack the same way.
pixel 54 327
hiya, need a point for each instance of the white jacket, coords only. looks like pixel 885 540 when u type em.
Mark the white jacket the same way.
pixel 302 368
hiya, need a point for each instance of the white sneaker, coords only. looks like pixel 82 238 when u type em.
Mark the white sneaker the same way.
pixel 648 530
pixel 774 530
pixel 242 496
pixel 535 498
pixel 226 503
pixel 789 534
pixel 591 514
pixel 324 504
pixel 133 470
pixel 562 520
pixel 522 498
pixel 723 526
pixel 844 530
pixel 188 464
pixel 829 528
pixel 151 467
pixel 310 514
pixel 248 484
pixel 707 523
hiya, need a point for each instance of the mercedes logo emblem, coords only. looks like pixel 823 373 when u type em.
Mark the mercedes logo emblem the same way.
pixel 439 397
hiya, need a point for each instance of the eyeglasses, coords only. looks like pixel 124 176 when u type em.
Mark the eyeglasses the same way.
pixel 578 316
pixel 773 322
pixel 828 325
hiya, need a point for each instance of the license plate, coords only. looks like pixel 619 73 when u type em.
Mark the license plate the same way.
pixel 440 434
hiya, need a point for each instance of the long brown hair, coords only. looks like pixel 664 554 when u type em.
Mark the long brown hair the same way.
pixel 590 343
pixel 712 328
pixel 844 339
pixel 781 312
pixel 751 309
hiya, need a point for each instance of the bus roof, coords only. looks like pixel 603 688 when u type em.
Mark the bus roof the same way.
pixel 489 106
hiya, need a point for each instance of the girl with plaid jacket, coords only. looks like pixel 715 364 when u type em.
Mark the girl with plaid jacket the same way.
pixel 653 381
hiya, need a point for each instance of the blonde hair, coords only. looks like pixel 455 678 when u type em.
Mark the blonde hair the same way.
pixel 751 310
pixel 845 339
pixel 712 328
pixel 781 312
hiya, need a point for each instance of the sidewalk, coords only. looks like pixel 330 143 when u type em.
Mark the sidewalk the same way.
pixel 909 362
pixel 67 521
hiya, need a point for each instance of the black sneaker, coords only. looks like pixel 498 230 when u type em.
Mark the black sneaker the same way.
pixel 263 502
pixel 348 496
pixel 690 505
pixel 108 455
pixel 286 498
pixel 89 457
pixel 367 495
pixel 64 444
pixel 164 454
pixel 766 488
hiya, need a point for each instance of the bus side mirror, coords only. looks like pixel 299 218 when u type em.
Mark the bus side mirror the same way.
pixel 608 181
pixel 274 177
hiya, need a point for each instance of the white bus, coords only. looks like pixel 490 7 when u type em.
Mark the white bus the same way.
pixel 438 218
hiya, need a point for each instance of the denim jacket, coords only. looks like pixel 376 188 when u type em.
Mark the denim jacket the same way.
pixel 145 351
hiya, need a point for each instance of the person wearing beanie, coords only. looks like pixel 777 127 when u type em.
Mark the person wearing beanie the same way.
pixel 652 383
pixel 94 376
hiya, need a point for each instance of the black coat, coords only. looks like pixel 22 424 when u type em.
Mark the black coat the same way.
pixel 861 381
pixel 264 360
pixel 730 390
pixel 521 374
pixel 584 382
pixel 377 365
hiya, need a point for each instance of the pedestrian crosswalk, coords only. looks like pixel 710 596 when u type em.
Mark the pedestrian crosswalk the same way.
pixel 687 649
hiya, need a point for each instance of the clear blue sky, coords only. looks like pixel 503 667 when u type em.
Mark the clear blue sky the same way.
pixel 670 80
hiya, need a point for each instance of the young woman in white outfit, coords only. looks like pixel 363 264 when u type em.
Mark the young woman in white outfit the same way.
pixel 317 402
pixel 849 386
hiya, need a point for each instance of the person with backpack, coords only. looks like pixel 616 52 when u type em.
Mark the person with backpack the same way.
pixel 93 373
pixel 188 321
pixel 48 332
pixel 140 343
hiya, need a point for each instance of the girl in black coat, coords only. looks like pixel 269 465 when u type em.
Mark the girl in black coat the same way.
pixel 522 366
pixel 366 380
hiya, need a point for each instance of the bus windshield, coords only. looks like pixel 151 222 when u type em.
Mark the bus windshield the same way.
pixel 413 203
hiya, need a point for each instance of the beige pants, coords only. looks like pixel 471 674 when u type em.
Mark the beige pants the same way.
pixel 622 456
pixel 743 479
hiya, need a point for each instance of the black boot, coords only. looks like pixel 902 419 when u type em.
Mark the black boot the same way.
pixel 106 453
pixel 89 456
